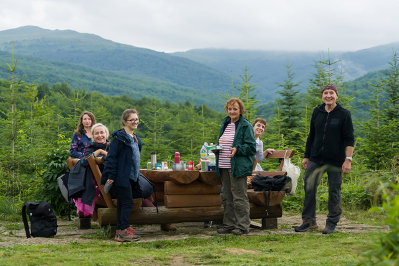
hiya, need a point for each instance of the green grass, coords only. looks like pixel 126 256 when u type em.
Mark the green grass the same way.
pixel 270 249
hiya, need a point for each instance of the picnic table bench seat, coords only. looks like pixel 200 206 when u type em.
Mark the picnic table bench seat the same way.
pixel 105 210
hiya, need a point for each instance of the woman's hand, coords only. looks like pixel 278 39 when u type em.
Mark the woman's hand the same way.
pixel 268 151
pixel 101 152
pixel 233 152
pixel 110 181
pixel 198 166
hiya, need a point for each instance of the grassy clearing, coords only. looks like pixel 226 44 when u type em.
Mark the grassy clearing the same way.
pixel 303 249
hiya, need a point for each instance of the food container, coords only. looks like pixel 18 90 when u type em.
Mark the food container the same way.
pixel 177 157
pixel 164 166
pixel 214 148
pixel 190 165
pixel 203 165
pixel 149 167
pixel 177 167
pixel 158 166
pixel 211 168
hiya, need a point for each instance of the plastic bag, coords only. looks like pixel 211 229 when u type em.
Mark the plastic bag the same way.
pixel 293 172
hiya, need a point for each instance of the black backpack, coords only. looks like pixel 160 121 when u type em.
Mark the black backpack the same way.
pixel 267 183
pixel 43 220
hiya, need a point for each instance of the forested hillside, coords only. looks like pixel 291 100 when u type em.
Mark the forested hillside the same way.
pixel 105 82
pixel 95 52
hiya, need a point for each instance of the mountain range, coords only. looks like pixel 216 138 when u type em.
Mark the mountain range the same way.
pixel 91 62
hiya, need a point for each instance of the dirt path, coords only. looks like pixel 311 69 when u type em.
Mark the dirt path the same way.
pixel 68 232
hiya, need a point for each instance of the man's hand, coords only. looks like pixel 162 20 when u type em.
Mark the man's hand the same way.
pixel 110 181
pixel 305 162
pixel 346 166
pixel 233 151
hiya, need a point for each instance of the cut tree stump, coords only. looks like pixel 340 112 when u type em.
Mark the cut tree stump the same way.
pixel 194 188
pixel 183 201
pixel 258 197
pixel 156 175
pixel 209 178
pixel 149 215
pixel 183 177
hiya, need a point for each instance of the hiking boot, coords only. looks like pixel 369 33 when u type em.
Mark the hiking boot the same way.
pixel 224 231
pixel 239 232
pixel 329 229
pixel 168 228
pixel 308 223
pixel 219 226
pixel 127 235
pixel 117 233
pixel 208 224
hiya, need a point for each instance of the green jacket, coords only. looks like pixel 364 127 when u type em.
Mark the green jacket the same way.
pixel 244 141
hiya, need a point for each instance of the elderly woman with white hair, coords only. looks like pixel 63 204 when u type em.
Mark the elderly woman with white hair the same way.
pixel 98 147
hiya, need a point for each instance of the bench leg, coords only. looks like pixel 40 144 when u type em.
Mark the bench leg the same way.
pixel 84 223
pixel 111 232
pixel 269 223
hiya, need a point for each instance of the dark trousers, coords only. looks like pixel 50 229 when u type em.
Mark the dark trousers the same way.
pixel 124 206
pixel 312 178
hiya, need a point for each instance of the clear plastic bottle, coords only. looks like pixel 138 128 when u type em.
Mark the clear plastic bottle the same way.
pixel 203 153
pixel 212 158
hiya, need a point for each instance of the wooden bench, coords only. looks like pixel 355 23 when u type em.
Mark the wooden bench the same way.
pixel 105 210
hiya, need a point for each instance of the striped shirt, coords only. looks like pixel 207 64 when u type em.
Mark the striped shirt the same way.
pixel 226 141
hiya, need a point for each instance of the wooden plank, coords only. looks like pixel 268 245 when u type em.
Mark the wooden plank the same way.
pixel 258 197
pixel 156 175
pixel 183 201
pixel 269 173
pixel 280 154
pixel 159 196
pixel 209 178
pixel 149 215
pixel 195 188
pixel 71 162
pixel 159 186
pixel 183 177
pixel 97 174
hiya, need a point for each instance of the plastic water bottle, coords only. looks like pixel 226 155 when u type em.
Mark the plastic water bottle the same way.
pixel 212 158
pixel 204 154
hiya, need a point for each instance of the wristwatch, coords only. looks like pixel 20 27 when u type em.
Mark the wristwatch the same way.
pixel 349 158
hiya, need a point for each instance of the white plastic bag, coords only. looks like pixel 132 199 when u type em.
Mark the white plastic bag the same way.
pixel 293 172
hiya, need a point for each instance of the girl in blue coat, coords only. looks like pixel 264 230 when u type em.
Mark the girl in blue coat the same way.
pixel 122 167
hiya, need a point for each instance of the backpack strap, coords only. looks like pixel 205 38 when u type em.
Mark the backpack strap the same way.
pixel 26 225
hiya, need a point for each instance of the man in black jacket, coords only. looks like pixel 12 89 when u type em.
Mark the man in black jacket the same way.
pixel 329 148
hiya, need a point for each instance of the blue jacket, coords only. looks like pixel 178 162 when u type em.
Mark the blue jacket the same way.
pixel 118 164
pixel 79 145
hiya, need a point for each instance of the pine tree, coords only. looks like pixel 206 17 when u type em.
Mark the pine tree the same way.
pixel 289 105
pixel 247 95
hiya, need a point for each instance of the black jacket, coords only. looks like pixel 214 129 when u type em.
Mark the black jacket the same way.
pixel 329 135
pixel 80 184
pixel 118 163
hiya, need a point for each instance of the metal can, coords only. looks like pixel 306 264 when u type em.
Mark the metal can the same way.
pixel 149 166
pixel 190 165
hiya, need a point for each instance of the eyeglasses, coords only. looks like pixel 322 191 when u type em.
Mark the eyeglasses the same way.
pixel 134 120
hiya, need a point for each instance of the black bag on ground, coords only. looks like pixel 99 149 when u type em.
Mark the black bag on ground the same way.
pixel 43 220
pixel 267 183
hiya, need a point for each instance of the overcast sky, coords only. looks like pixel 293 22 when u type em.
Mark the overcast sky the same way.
pixel 180 25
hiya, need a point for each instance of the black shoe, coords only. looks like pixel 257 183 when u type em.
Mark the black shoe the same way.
pixel 329 229
pixel 239 232
pixel 219 226
pixel 208 224
pixel 308 223
pixel 224 231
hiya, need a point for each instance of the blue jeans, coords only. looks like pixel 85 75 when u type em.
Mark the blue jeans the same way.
pixel 313 175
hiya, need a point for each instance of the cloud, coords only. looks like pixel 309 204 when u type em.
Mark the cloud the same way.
pixel 178 25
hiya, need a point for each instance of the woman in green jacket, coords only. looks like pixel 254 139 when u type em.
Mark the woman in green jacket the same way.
pixel 233 164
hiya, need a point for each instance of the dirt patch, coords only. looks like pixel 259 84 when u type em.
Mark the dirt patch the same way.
pixel 68 232
pixel 241 251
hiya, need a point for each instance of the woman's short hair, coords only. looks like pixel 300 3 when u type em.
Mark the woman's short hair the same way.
pixel 81 126
pixel 99 125
pixel 127 113
pixel 259 120
pixel 231 102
